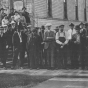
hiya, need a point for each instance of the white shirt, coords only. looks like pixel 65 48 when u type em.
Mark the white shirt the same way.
pixel 57 39
pixel 20 36
pixel 69 33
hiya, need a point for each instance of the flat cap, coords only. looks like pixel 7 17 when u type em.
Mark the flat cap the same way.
pixel 48 24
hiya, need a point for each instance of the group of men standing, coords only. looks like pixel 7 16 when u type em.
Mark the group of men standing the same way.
pixel 45 48
pixel 66 49
pixel 12 35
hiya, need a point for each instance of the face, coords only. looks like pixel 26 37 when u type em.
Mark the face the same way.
pixel 71 27
pixel 13 25
pixel 81 26
pixel 62 29
pixel 49 27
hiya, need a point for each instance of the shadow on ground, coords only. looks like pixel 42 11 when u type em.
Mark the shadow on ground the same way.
pixel 12 80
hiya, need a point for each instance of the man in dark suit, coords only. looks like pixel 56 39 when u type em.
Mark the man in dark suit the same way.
pixel 19 44
pixel 26 15
pixel 82 45
pixel 3 47
pixel 12 13
pixel 32 50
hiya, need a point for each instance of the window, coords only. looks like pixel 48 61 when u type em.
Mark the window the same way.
pixel 50 8
pixel 76 9
pixel 65 9
pixel 85 18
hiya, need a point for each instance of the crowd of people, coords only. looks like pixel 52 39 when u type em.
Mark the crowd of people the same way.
pixel 45 48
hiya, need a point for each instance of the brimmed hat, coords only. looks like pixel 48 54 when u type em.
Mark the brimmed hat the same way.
pixel 48 24
pixel 61 26
pixel 72 25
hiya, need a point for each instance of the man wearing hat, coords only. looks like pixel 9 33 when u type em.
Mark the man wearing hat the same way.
pixel 49 46
pixel 10 32
pixel 69 35
pixel 61 42
pixel 19 46
pixel 3 47
pixel 75 46
pixel 16 16
pixel 83 45
pixel 26 15
pixel 56 29
pixel 12 13
pixel 33 60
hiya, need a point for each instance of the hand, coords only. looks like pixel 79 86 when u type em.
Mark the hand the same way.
pixel 42 43
pixel 61 46
pixel 7 46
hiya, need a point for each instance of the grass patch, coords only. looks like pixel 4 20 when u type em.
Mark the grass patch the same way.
pixel 12 80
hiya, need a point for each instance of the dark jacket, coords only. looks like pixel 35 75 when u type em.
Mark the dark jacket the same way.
pixel 26 15
pixel 3 41
pixel 16 40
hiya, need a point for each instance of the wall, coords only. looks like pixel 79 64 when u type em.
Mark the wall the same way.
pixel 81 10
pixel 57 9
pixel 40 7
pixel 71 9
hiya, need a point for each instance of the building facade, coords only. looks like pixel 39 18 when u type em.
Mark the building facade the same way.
pixel 56 11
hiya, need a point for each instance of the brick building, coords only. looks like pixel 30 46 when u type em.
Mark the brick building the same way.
pixel 56 11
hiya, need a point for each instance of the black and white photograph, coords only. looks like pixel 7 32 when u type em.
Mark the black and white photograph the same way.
pixel 43 43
